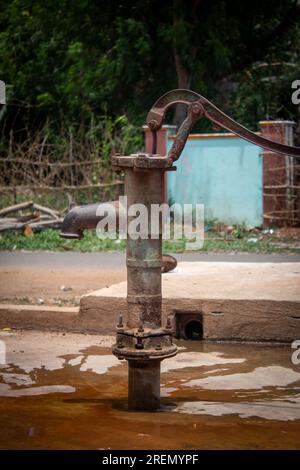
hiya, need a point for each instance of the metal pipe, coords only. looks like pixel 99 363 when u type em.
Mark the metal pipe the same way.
pixel 144 385
pixel 144 256
pixel 144 264
pixel 144 342
pixel 81 218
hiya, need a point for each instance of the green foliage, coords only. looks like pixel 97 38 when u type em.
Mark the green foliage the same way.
pixel 239 231
pixel 67 63
pixel 50 240
pixel 264 92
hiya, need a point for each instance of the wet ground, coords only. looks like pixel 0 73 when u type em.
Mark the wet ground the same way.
pixel 66 391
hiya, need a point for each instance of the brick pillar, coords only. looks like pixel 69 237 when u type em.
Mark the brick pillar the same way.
pixel 162 140
pixel 277 175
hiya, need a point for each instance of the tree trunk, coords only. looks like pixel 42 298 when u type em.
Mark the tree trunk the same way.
pixel 184 74
pixel 184 77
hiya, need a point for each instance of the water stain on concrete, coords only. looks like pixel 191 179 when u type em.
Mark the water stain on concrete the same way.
pixel 268 409
pixel 197 359
pixel 100 364
pixel 271 376
pixel 6 391
pixel 68 392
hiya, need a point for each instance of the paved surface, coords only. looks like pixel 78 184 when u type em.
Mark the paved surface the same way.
pixel 253 300
pixel 245 301
pixel 224 280
pixel 58 278
pixel 116 260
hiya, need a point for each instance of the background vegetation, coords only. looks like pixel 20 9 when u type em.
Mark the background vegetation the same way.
pixel 69 63
pixel 81 76
pixel 240 240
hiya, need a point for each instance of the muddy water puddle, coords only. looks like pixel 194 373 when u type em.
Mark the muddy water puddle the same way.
pixel 68 392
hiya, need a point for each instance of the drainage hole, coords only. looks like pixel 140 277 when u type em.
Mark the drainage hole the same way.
pixel 194 330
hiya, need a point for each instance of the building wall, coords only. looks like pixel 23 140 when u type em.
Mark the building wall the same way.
pixel 235 180
pixel 223 172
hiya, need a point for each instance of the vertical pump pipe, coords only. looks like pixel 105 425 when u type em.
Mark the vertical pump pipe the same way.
pixel 143 342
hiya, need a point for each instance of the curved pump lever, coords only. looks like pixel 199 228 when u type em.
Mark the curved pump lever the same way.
pixel 198 107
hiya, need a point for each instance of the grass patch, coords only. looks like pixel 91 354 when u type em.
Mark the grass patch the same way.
pixel 51 241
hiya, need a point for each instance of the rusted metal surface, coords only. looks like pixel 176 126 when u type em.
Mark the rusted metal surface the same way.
pixel 144 344
pixel 81 218
pixel 144 385
pixel 144 255
pixel 144 161
pixel 144 341
pixel 205 109
pixel 168 263
pixel 143 259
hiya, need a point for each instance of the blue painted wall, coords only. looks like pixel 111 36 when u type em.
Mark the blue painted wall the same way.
pixel 225 174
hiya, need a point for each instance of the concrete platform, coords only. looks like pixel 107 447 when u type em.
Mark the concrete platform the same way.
pixel 36 317
pixel 240 301
pixel 233 300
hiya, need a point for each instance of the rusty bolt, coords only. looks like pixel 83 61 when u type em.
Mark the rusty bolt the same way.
pixel 141 328
pixel 139 344
pixel 153 124
pixel 168 325
pixel 120 323
pixel 197 108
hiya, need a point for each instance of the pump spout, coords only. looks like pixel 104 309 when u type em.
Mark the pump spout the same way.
pixel 81 218
pixel 85 217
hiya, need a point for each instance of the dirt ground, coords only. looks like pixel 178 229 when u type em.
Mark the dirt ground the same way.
pixel 47 278
pixel 54 286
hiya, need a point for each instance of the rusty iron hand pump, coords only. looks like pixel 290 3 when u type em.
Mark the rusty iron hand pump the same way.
pixel 143 339
pixel 145 342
